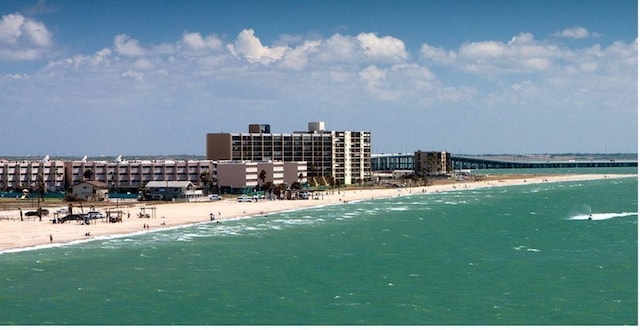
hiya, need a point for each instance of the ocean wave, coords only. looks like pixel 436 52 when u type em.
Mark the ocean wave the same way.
pixel 602 216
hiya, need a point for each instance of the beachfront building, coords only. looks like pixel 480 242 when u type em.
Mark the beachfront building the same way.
pixel 342 155
pixel 135 174
pixel 244 176
pixel 237 177
pixel 90 190
pixel 428 163
pixel 26 174
pixel 172 190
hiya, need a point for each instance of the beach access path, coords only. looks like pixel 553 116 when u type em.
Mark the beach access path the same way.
pixel 16 235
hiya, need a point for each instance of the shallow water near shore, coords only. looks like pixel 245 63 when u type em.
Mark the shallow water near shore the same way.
pixel 504 255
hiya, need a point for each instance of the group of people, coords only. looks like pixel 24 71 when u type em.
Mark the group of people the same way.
pixel 212 217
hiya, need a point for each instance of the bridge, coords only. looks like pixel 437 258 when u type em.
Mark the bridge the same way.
pixel 474 162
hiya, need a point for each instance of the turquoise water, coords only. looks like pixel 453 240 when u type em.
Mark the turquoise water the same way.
pixel 504 255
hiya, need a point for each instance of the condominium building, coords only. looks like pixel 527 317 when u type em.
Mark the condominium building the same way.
pixel 343 155
pixel 432 163
pixel 137 173
pixel 18 175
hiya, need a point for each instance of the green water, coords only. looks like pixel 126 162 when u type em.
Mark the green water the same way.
pixel 514 255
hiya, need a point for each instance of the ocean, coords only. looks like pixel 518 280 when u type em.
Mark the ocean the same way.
pixel 520 255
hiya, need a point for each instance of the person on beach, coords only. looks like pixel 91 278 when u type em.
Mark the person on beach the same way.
pixel 20 213
pixel 50 238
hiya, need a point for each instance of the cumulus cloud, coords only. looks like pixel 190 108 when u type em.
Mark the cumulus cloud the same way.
pixel 339 49
pixel 127 46
pixel 196 43
pixel 338 74
pixel 23 38
pixel 437 54
pixel 386 48
pixel 576 32
pixel 298 58
pixel 249 47
pixel 520 54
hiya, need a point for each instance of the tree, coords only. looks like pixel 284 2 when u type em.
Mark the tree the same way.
pixel 87 175
pixel 262 176
pixel 40 187
pixel 269 187
pixel 205 179
pixel 332 183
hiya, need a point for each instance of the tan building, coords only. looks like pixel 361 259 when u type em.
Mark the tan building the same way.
pixel 427 163
pixel 90 190
pixel 237 177
pixel 244 176
pixel 18 175
pixel 124 174
pixel 344 155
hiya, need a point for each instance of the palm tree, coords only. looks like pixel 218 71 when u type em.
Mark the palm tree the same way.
pixel 40 187
pixel 332 183
pixel 205 179
pixel 262 176
pixel 87 174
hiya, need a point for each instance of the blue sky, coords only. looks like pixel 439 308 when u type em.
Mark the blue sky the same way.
pixel 153 77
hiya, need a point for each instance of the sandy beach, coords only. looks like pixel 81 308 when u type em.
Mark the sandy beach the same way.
pixel 32 233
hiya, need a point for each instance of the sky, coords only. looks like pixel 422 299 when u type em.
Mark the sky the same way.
pixel 153 77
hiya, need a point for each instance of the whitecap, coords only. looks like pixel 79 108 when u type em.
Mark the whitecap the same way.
pixel 602 216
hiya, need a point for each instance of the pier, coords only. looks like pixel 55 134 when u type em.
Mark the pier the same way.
pixel 473 162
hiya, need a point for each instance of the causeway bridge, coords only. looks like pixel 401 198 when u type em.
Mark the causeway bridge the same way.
pixel 476 162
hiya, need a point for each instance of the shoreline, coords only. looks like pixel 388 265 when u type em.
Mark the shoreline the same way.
pixel 17 236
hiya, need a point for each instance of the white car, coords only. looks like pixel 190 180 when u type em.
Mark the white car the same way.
pixel 215 197
pixel 94 215
pixel 244 198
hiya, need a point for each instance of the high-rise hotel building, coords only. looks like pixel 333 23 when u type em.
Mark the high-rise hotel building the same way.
pixel 343 155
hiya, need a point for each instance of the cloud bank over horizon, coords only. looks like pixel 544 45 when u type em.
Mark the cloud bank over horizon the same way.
pixel 564 92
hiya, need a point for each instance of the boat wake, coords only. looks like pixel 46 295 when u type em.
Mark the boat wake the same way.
pixel 602 216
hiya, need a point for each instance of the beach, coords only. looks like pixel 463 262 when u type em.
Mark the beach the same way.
pixel 32 233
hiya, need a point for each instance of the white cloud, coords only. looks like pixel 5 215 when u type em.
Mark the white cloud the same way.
pixel 336 76
pixel 23 38
pixel 247 45
pixel 576 32
pixel 298 58
pixel 339 49
pixel 437 54
pixel 372 75
pixel 386 48
pixel 196 43
pixel 138 76
pixel 521 54
pixel 126 46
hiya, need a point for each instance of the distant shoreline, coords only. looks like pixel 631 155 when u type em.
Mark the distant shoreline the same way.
pixel 16 235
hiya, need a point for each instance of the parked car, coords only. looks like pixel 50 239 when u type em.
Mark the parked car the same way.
pixel 244 198
pixel 71 217
pixel 94 215
pixel 43 212
pixel 215 197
